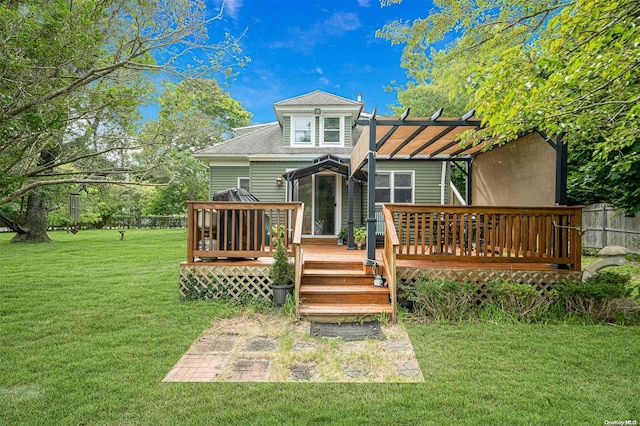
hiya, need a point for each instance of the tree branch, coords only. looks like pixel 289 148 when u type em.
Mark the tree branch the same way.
pixel 23 190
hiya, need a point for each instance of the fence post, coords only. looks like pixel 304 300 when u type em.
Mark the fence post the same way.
pixel 604 225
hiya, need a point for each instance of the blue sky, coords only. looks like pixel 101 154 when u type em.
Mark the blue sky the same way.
pixel 299 46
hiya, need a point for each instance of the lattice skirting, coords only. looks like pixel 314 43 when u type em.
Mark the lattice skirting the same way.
pixel 543 281
pixel 224 282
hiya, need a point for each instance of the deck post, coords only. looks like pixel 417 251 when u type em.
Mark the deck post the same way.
pixel 371 193
pixel 350 245
pixel 561 171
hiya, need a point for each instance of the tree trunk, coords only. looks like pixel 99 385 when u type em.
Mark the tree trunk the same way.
pixel 37 220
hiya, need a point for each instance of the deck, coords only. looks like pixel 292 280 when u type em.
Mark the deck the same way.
pixel 535 246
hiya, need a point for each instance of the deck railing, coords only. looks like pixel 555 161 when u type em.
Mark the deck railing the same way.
pixel 225 229
pixel 486 234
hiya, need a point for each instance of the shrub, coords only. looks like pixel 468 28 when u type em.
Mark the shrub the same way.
pixel 520 300
pixel 603 297
pixel 443 300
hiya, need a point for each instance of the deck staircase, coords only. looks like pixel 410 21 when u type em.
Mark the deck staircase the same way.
pixel 341 291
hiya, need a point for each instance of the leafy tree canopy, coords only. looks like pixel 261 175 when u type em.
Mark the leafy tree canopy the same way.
pixel 568 67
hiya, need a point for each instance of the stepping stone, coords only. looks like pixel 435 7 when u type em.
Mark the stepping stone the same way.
pixel 213 344
pixel 397 346
pixel 347 330
pixel 355 372
pixel 262 344
pixel 250 370
pixel 408 369
pixel 301 372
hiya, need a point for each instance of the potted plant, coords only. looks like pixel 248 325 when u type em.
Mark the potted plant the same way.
pixel 342 236
pixel 281 272
pixel 359 236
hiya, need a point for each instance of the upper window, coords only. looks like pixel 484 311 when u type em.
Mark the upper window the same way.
pixel 394 187
pixel 331 131
pixel 302 128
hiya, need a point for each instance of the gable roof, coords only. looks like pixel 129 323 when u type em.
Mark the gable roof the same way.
pixel 318 98
pixel 266 141
pixel 310 102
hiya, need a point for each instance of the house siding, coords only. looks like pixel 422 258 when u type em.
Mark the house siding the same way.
pixel 263 178
pixel 225 177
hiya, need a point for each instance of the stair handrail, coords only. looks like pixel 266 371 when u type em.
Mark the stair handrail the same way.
pixel 298 254
pixel 391 243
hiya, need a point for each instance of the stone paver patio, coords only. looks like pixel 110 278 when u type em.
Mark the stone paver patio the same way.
pixel 277 348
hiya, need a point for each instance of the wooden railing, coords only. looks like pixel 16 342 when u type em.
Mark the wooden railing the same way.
pixel 484 234
pixel 391 245
pixel 227 229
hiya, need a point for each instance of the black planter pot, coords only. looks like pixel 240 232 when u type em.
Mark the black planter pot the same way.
pixel 280 293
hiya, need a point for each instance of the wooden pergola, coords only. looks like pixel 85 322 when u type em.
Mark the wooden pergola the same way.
pixel 426 139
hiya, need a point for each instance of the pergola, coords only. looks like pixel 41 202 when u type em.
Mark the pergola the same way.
pixel 427 139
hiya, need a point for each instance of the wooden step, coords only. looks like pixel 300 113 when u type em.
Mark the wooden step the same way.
pixel 338 280
pixel 344 294
pixel 323 312
pixel 334 266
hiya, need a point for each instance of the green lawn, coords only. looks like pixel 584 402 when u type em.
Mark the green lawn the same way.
pixel 90 325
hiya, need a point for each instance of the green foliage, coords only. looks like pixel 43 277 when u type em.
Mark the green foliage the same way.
pixel 603 297
pixel 519 300
pixel 360 234
pixel 281 271
pixel 443 300
pixel 425 99
pixel 569 68
pixel 343 233
pixel 74 76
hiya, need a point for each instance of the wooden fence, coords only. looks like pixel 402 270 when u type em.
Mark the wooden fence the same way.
pixel 604 226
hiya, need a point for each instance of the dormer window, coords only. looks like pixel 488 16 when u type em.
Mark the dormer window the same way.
pixel 331 133
pixel 302 130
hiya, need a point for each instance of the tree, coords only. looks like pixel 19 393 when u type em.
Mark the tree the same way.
pixel 72 77
pixel 561 67
pixel 424 100
pixel 194 114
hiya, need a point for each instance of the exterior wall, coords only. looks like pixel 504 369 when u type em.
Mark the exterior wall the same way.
pixel 519 173
pixel 263 178
pixel 225 177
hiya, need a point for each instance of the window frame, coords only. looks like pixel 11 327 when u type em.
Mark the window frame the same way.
pixel 340 130
pixel 293 129
pixel 392 184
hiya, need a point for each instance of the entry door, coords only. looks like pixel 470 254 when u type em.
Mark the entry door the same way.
pixel 325 205
pixel 320 195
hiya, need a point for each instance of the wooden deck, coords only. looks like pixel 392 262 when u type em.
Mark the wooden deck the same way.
pixel 229 251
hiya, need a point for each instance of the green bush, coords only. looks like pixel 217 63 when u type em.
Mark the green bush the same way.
pixel 520 300
pixel 603 297
pixel 443 300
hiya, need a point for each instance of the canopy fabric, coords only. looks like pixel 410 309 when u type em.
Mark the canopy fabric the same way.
pixel 424 138
pixel 325 162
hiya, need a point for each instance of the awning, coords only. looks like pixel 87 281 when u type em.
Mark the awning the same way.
pixel 326 162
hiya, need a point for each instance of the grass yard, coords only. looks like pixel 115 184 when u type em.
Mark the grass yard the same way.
pixel 90 325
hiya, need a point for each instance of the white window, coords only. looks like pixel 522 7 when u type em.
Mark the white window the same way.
pixel 331 131
pixel 243 182
pixel 302 130
pixel 394 187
